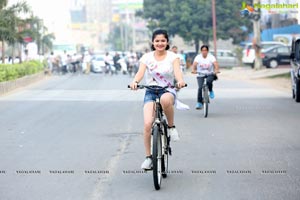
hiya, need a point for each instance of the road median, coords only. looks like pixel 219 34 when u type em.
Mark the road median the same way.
pixel 9 86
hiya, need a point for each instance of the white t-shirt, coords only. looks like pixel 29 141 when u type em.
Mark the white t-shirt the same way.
pixel 205 65
pixel 159 72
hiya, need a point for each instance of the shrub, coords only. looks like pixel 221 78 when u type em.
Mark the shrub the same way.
pixel 11 72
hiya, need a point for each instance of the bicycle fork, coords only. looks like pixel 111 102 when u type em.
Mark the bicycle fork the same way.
pixel 205 92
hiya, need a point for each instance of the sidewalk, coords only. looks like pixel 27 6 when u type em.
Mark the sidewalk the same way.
pixel 248 73
pixel 263 77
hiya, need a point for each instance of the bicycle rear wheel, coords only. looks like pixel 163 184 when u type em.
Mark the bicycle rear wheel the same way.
pixel 157 157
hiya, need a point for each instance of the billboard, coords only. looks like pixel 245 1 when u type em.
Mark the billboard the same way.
pixel 78 11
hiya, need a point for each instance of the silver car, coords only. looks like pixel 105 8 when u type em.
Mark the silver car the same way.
pixel 226 58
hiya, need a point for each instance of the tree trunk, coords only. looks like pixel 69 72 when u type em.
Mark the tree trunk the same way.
pixel 20 52
pixel 196 45
pixel 3 51
pixel 206 40
pixel 43 48
pixel 13 53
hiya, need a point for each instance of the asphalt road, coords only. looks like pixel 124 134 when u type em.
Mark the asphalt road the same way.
pixel 79 137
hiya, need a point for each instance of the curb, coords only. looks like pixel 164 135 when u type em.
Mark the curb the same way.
pixel 246 73
pixel 9 86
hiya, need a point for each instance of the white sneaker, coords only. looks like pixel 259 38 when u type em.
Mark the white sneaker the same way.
pixel 147 164
pixel 174 134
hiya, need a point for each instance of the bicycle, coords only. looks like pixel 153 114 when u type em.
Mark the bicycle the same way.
pixel 160 139
pixel 205 91
pixel 205 95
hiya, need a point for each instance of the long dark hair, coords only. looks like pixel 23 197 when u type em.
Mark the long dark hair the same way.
pixel 204 46
pixel 160 32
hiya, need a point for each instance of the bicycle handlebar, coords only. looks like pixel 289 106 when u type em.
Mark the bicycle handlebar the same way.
pixel 155 87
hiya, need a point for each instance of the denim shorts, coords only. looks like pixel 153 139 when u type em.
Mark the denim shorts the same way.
pixel 150 95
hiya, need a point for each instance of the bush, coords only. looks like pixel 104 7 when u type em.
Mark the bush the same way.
pixel 11 72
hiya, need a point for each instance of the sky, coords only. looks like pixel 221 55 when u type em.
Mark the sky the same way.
pixel 55 14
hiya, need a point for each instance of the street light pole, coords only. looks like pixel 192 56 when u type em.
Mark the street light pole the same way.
pixel 213 8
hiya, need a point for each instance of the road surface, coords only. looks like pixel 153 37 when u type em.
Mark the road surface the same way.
pixel 79 137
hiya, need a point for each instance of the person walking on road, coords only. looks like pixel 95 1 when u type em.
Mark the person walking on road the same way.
pixel 161 68
pixel 181 57
pixel 205 64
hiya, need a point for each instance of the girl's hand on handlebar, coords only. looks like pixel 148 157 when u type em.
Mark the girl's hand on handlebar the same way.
pixel 180 84
pixel 133 85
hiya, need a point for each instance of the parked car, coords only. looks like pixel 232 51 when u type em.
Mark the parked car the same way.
pixel 295 68
pixel 274 56
pixel 249 52
pixel 98 64
pixel 226 58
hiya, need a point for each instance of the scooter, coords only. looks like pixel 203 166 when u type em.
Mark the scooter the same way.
pixel 110 68
pixel 123 64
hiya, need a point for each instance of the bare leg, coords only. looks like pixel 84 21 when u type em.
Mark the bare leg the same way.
pixel 148 121
pixel 167 101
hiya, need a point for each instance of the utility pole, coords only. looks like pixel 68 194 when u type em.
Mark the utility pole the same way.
pixel 127 27
pixel 213 8
pixel 133 33
pixel 256 39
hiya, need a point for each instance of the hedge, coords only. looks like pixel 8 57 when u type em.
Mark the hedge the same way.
pixel 14 71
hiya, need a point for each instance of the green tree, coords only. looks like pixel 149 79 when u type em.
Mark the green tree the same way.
pixel 192 19
pixel 9 22
pixel 47 42
pixel 3 3
pixel 39 32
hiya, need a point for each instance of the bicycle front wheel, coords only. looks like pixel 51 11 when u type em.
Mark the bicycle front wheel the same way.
pixel 157 157
pixel 205 101
pixel 165 152
pixel 205 109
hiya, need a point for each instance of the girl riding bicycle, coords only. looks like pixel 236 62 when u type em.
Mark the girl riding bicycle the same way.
pixel 205 64
pixel 161 68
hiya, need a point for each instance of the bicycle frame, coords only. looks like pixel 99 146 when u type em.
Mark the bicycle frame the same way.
pixel 161 123
pixel 205 96
pixel 158 112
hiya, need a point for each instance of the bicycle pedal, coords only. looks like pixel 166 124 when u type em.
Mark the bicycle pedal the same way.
pixel 146 170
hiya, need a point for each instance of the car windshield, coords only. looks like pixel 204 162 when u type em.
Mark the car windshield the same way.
pixel 266 46
pixel 283 50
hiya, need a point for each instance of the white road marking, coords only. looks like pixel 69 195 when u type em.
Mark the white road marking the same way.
pixel 127 95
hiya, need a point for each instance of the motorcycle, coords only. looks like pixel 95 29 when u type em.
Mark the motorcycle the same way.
pixel 110 68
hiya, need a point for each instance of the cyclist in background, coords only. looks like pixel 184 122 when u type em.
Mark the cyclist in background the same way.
pixel 205 64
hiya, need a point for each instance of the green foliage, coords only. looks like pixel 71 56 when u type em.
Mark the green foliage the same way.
pixel 11 72
pixel 13 28
pixel 9 21
pixel 192 19
pixel 3 3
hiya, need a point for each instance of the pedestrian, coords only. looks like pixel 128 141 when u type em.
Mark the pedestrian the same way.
pixel 64 60
pixel 181 57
